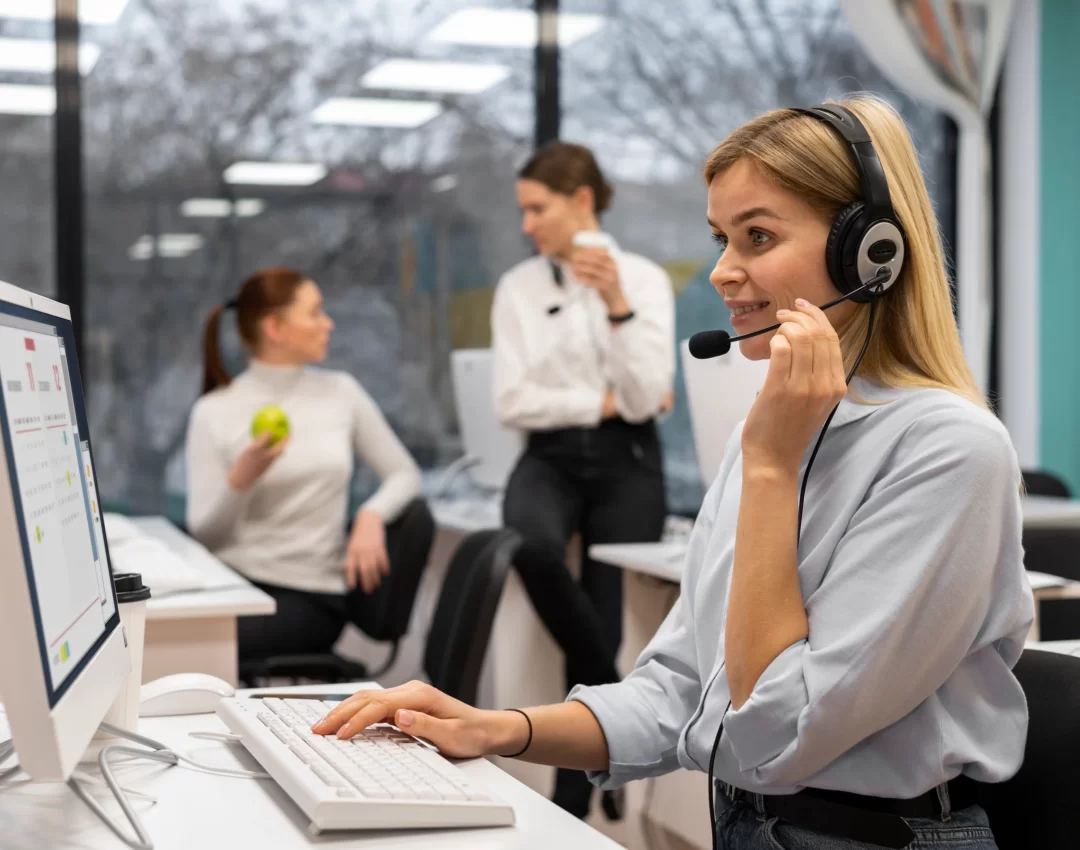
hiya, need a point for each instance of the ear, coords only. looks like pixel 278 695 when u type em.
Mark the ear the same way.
pixel 584 200
pixel 270 328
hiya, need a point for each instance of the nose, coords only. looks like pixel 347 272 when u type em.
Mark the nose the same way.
pixel 726 272
pixel 528 224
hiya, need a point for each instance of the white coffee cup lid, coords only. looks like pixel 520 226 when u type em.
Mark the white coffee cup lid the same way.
pixel 595 239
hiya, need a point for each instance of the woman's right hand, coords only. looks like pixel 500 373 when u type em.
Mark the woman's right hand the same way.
pixel 254 461
pixel 418 709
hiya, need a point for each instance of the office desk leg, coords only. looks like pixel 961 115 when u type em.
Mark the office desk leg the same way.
pixel 191 646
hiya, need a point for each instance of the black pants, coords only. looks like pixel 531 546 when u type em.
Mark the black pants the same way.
pixel 606 483
pixel 308 623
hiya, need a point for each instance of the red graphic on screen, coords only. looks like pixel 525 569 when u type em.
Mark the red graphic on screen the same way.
pixel 30 369
pixel 56 375
pixel 30 345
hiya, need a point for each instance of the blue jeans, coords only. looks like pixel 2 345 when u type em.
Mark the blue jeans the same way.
pixel 743 825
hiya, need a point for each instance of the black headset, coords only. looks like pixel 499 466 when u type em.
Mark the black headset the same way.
pixel 866 235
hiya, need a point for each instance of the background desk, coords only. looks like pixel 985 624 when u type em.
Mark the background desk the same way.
pixel 1048 512
pixel 195 632
pixel 211 812
pixel 665 560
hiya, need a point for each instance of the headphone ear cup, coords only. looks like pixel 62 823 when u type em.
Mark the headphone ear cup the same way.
pixel 842 247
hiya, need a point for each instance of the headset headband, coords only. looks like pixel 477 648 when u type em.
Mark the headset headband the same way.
pixel 875 187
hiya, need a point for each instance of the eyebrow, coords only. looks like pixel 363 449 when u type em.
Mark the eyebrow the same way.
pixel 746 215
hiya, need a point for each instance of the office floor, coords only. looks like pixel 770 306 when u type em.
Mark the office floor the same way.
pixel 638 833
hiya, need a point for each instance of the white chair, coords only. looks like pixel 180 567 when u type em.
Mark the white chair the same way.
pixel 491 451
pixel 720 392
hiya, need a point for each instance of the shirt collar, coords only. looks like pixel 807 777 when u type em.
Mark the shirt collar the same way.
pixel 273 376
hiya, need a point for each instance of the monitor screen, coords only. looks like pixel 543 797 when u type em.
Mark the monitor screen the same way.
pixel 57 507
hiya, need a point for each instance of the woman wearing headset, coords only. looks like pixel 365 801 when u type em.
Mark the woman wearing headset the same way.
pixel 847 677
pixel 584 350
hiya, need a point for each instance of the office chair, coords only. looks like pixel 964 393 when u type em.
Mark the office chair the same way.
pixel 408 550
pixel 461 627
pixel 1037 483
pixel 1037 807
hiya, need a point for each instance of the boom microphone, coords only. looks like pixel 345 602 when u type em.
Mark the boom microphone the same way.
pixel 708 344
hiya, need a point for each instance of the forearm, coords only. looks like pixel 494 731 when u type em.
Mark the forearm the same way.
pixel 765 611
pixel 564 735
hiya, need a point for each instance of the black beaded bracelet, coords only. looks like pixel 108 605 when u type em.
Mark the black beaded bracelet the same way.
pixel 618 320
pixel 528 743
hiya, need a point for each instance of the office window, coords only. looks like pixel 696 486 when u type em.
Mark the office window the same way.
pixel 660 85
pixel 365 143
pixel 27 101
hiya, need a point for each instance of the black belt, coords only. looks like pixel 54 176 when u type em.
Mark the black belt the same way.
pixel 871 820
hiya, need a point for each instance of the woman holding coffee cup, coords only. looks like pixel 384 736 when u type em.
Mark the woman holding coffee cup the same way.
pixel 584 348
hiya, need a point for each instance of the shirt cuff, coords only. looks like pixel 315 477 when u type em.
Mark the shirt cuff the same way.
pixel 626 762
pixel 767 724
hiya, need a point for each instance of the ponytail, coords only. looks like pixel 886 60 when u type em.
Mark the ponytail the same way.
pixel 214 372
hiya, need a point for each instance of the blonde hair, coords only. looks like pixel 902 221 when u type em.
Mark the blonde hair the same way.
pixel 915 341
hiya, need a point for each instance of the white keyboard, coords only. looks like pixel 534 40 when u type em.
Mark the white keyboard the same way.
pixel 381 779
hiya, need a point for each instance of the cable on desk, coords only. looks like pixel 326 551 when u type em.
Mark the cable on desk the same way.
pixel 235 773
pixel 222 737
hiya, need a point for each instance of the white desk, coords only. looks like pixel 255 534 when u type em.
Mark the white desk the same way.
pixel 665 560
pixel 195 632
pixel 1065 647
pixel 210 812
pixel 659 560
pixel 1048 512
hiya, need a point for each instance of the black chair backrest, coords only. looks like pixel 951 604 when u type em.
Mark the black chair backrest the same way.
pixel 1053 550
pixel 1039 483
pixel 1038 807
pixel 463 619
pixel 408 547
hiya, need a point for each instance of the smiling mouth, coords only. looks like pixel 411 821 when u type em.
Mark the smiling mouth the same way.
pixel 748 308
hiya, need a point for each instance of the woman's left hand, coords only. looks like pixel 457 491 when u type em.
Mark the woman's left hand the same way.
pixel 596 268
pixel 805 382
pixel 366 559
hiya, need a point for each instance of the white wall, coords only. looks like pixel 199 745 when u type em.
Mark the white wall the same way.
pixel 1018 234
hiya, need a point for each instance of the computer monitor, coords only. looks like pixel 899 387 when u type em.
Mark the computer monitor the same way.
pixel 493 449
pixel 63 656
pixel 720 392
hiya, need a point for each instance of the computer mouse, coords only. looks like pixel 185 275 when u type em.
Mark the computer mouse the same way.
pixel 183 693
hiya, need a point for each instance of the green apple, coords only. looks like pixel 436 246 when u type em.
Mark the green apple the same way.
pixel 270 420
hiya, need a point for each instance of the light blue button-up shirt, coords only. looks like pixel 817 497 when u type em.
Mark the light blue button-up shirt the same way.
pixel 912 572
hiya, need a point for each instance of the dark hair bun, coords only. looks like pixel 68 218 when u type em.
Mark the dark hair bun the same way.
pixel 564 167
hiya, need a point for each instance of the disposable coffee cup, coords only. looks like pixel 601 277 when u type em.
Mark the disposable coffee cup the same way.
pixel 131 596
pixel 595 239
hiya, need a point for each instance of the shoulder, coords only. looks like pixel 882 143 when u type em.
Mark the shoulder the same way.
pixel 642 273
pixel 214 405
pixel 525 273
pixel 951 433
pixel 643 266
pixel 338 383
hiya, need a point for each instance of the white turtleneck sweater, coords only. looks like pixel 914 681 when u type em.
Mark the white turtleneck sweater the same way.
pixel 289 528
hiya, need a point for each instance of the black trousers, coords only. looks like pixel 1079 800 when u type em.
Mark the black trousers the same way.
pixel 606 483
pixel 308 623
